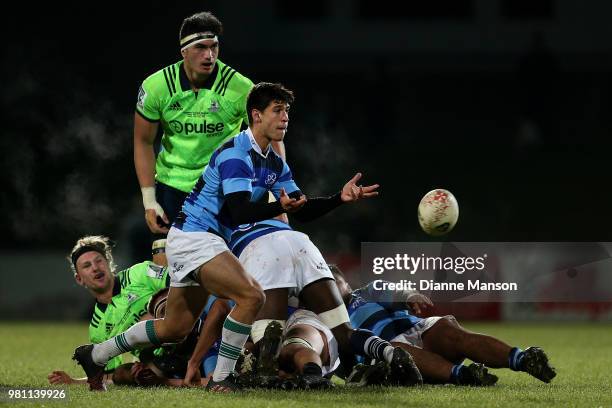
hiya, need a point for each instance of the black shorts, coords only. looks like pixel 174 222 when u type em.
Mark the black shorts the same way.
pixel 171 200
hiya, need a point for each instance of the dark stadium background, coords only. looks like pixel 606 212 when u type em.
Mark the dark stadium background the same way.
pixel 506 103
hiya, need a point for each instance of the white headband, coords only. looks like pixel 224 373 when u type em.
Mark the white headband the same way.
pixel 193 39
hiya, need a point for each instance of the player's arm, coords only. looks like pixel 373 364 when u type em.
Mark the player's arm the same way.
pixel 211 331
pixel 317 207
pixel 412 300
pixel 62 377
pixel 144 163
pixel 235 173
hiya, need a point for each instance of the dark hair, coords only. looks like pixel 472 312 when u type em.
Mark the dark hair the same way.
pixel 200 22
pixel 264 93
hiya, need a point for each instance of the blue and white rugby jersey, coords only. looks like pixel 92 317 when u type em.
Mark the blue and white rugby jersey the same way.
pixel 238 165
pixel 374 310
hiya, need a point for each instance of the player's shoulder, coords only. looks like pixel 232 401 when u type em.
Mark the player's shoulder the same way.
pixel 232 85
pixel 235 148
pixel 97 315
pixel 140 272
pixel 163 82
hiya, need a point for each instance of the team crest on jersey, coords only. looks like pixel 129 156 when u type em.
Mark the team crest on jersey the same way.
pixel 155 271
pixel 142 95
pixel 271 179
pixel 214 106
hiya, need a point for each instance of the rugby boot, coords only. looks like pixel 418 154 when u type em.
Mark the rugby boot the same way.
pixel 94 372
pixel 535 362
pixel 228 385
pixel 404 371
pixel 364 375
pixel 266 369
pixel 477 375
pixel 313 382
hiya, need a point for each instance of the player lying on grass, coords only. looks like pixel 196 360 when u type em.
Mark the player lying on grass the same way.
pixel 438 344
pixel 186 364
pixel 121 297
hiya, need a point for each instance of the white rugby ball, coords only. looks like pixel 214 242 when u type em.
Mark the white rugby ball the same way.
pixel 438 212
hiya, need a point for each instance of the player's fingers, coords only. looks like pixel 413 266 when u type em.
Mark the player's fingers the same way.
pixel 355 178
pixel 371 188
pixel 283 193
pixel 367 195
pixel 164 217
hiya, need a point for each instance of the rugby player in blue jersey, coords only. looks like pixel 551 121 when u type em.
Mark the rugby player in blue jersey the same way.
pixel 438 344
pixel 228 195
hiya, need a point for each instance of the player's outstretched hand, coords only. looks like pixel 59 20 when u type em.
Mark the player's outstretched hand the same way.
pixel 60 377
pixel 291 204
pixel 192 375
pixel 353 192
pixel 418 303
pixel 157 220
pixel 145 376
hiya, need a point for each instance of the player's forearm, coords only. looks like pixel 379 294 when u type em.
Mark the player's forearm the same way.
pixel 243 211
pixel 317 207
pixel 144 163
pixel 211 331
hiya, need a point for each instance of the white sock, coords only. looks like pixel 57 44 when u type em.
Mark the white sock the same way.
pixel 140 334
pixel 233 337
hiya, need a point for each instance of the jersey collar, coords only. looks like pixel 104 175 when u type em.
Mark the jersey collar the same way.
pixel 255 146
pixel 186 85
pixel 116 291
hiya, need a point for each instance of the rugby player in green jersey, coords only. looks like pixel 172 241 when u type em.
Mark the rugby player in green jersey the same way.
pixel 200 103
pixel 122 297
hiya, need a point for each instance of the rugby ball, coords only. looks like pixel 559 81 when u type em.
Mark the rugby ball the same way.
pixel 438 212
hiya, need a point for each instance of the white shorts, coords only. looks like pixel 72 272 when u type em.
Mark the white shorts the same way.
pixel 284 259
pixel 413 335
pixel 308 318
pixel 187 251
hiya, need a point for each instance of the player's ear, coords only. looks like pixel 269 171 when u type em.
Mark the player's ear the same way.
pixel 78 279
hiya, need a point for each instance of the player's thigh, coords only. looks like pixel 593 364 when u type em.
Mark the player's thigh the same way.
pixel 308 333
pixel 444 336
pixel 275 306
pixel 225 277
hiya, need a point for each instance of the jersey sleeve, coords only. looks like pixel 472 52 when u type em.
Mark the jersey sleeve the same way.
pixel 149 104
pixel 237 93
pixel 235 172
pixel 284 181
pixel 156 277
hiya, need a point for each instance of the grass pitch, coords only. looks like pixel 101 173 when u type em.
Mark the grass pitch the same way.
pixel 581 353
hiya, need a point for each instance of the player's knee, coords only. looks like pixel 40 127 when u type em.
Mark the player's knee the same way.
pixel 451 321
pixel 254 298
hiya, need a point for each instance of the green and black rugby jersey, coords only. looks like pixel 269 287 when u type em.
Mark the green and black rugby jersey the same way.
pixel 194 124
pixel 132 291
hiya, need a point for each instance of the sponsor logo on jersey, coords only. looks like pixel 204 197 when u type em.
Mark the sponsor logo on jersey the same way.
pixel 142 95
pixel 155 271
pixel 176 106
pixel 271 179
pixel 131 297
pixel 214 106
pixel 205 128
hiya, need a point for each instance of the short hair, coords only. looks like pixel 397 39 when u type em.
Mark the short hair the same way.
pixel 101 244
pixel 200 22
pixel 158 298
pixel 265 93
